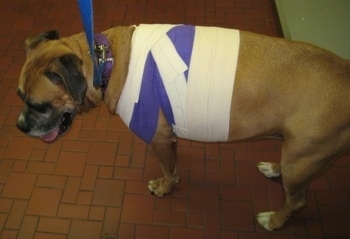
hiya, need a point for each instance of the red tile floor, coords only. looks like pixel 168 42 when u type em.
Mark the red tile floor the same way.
pixel 91 183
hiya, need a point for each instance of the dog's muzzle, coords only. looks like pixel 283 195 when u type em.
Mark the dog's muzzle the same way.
pixel 45 132
pixel 62 128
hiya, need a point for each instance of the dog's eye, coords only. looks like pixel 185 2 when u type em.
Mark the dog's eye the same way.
pixel 40 107
pixel 54 77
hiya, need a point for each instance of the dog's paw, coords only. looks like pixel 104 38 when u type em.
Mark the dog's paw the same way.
pixel 160 186
pixel 155 187
pixel 268 169
pixel 264 219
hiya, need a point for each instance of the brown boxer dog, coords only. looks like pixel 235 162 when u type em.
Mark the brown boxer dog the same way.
pixel 290 90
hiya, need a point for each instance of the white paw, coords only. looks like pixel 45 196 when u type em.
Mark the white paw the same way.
pixel 160 186
pixel 155 187
pixel 266 169
pixel 264 219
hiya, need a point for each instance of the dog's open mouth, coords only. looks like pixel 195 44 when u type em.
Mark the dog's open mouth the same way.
pixel 64 125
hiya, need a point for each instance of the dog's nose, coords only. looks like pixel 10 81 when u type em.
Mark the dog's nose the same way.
pixel 22 124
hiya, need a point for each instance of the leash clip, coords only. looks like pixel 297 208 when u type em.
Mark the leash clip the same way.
pixel 101 52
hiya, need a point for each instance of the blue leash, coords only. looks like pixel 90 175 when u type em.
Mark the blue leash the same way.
pixel 86 12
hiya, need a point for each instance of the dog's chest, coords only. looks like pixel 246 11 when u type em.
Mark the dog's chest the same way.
pixel 188 72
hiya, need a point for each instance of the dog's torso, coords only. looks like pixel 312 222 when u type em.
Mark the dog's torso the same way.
pixel 170 71
pixel 277 84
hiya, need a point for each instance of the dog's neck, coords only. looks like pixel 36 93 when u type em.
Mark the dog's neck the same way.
pixel 104 60
pixel 79 46
pixel 120 43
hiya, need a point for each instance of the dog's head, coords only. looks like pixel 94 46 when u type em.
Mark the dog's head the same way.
pixel 51 85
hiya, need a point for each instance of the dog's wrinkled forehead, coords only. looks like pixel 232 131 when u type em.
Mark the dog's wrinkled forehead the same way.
pixel 38 63
pixel 51 81
pixel 39 53
pixel 51 73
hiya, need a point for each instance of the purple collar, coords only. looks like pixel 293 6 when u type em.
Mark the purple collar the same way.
pixel 104 58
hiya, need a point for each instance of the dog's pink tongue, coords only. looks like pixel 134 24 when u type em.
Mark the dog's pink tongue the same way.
pixel 50 136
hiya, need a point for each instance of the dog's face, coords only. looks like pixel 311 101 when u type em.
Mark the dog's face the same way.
pixel 51 85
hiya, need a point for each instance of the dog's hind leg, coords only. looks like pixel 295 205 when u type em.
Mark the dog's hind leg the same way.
pixel 270 170
pixel 298 171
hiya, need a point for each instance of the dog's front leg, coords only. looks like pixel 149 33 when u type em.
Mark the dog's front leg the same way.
pixel 164 147
pixel 165 154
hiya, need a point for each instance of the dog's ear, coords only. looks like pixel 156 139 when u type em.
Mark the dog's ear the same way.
pixel 67 70
pixel 32 42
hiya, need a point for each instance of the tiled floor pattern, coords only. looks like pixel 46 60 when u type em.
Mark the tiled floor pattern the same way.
pixel 91 183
